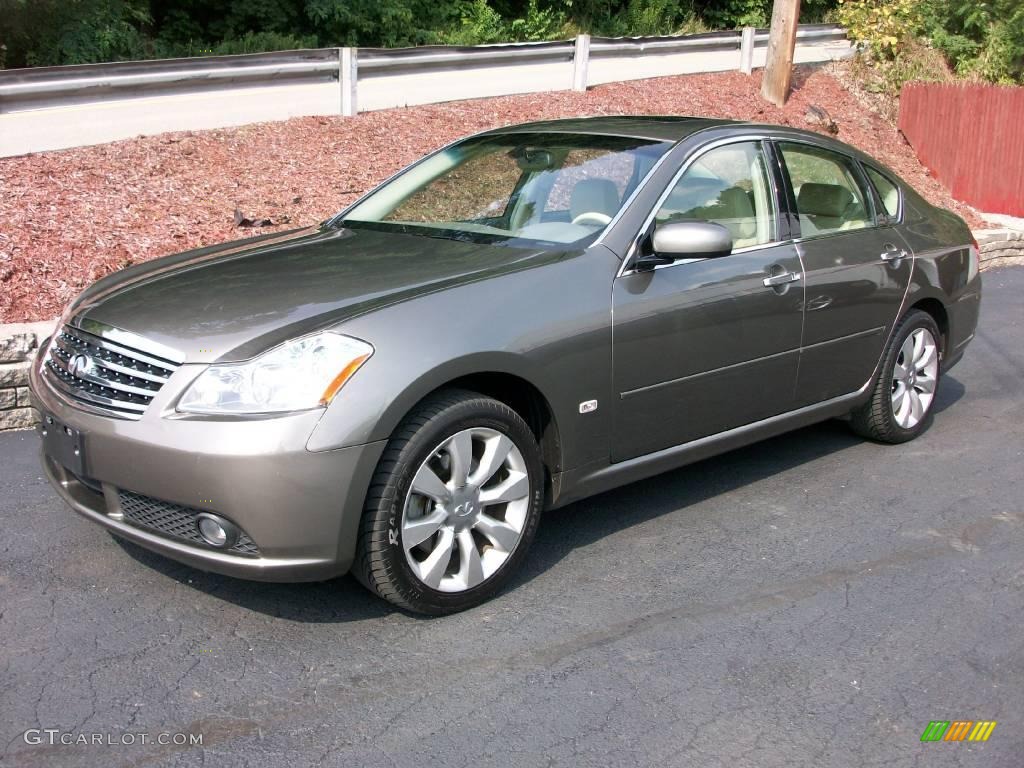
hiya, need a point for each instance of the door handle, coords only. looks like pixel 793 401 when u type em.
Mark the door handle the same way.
pixel 781 279
pixel 892 253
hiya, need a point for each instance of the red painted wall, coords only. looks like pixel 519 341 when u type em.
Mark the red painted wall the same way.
pixel 971 137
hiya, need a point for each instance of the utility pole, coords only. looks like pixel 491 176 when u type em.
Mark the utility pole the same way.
pixel 778 70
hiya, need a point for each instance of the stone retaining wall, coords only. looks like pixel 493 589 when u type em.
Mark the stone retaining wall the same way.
pixel 18 345
pixel 19 342
pixel 999 243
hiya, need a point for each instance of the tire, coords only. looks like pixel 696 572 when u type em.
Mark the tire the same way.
pixel 416 492
pixel 891 414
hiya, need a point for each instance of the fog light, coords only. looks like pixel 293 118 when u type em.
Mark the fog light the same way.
pixel 216 531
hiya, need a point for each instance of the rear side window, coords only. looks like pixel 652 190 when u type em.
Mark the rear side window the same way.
pixel 829 196
pixel 888 192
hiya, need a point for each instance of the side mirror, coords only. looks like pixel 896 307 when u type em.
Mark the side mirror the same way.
pixel 686 240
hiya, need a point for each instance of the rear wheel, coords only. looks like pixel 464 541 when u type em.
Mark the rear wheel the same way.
pixel 901 402
pixel 453 506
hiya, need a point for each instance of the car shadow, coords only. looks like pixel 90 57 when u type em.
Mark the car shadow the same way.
pixel 335 601
pixel 562 531
pixel 589 520
pixel 950 391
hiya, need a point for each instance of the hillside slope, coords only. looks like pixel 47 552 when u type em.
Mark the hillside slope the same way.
pixel 70 217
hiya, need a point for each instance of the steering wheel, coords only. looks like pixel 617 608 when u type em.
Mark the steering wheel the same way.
pixel 593 217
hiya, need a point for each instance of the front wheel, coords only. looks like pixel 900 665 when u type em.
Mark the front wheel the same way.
pixel 453 506
pixel 901 401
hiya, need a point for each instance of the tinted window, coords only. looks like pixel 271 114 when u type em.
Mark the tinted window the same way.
pixel 829 198
pixel 582 164
pixel 479 188
pixel 513 189
pixel 728 186
pixel 888 192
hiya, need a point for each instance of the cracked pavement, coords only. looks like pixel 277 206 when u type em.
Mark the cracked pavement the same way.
pixel 814 600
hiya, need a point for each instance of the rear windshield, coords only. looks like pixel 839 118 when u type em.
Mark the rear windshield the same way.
pixel 522 189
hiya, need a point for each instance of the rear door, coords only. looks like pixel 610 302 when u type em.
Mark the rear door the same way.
pixel 704 345
pixel 856 267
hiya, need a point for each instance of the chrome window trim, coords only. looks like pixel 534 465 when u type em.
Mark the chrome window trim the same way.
pixel 745 139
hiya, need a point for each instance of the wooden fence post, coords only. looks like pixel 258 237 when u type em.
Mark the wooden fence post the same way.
pixel 348 78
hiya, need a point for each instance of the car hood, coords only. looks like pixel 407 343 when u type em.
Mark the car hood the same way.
pixel 233 301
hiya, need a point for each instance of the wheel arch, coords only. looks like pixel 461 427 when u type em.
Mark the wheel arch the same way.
pixel 937 309
pixel 500 377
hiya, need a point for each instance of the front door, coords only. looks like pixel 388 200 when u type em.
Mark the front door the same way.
pixel 702 346
pixel 856 273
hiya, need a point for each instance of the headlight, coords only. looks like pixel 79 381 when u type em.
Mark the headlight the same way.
pixel 298 375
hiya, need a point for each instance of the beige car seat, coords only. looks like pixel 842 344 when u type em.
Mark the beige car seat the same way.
pixel 828 208
pixel 594 196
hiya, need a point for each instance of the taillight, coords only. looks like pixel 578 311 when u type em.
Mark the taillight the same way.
pixel 973 260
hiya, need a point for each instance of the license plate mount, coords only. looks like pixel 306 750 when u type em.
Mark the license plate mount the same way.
pixel 64 444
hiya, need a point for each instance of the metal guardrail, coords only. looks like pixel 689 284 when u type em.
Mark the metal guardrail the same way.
pixel 30 88
pixel 393 60
pixel 16 83
pixel 717 40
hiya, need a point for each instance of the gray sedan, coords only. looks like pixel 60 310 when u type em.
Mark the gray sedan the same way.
pixel 524 318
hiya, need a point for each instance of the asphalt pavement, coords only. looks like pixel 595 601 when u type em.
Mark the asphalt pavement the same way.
pixel 814 600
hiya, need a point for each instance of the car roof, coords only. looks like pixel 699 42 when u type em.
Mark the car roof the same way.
pixel 675 128
pixel 657 127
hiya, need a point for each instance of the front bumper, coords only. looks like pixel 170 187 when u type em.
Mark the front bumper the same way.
pixel 300 508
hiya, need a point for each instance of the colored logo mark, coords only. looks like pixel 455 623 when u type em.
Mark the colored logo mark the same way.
pixel 958 730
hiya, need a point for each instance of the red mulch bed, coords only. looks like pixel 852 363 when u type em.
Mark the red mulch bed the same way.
pixel 67 218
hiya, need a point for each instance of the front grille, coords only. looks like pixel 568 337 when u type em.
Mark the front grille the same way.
pixel 103 374
pixel 174 520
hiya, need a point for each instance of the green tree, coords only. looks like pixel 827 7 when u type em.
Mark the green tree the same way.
pixel 47 32
pixel 380 22
pixel 983 39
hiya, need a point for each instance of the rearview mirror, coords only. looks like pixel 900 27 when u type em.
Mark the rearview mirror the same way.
pixel 691 240
pixel 531 160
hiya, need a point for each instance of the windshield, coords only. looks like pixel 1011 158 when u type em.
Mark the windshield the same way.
pixel 513 189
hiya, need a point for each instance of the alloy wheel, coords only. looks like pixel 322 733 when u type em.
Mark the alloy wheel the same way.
pixel 466 510
pixel 914 378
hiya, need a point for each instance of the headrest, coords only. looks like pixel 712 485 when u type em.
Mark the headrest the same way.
pixel 594 196
pixel 737 212
pixel 823 200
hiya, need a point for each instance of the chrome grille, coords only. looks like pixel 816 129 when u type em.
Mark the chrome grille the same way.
pixel 103 374
pixel 174 520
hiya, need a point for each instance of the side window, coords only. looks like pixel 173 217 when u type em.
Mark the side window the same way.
pixel 829 198
pixel 728 186
pixel 888 192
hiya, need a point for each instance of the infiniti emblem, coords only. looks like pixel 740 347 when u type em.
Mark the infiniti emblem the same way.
pixel 79 364
pixel 465 509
